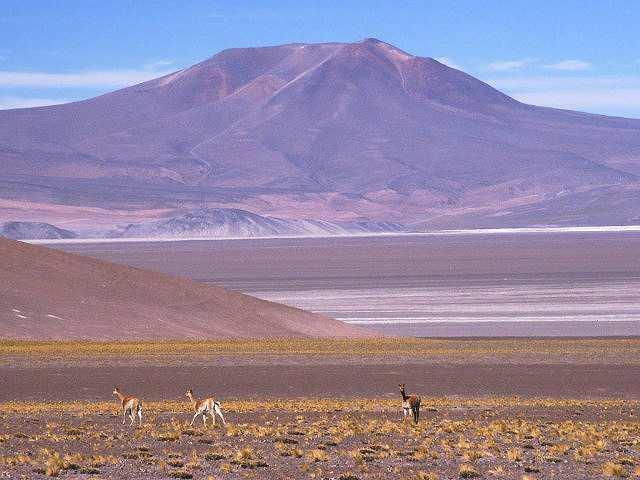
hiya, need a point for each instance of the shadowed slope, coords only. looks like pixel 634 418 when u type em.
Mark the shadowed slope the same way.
pixel 48 294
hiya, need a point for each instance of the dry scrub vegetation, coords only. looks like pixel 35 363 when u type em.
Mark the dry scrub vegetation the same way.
pixel 507 438
pixel 611 351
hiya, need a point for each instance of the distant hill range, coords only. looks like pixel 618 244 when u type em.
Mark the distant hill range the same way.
pixel 204 223
pixel 49 294
pixel 221 222
pixel 334 132
pixel 33 230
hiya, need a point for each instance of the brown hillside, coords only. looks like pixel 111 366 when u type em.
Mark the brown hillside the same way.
pixel 48 294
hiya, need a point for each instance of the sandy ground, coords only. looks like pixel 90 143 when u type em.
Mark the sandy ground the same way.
pixel 491 284
pixel 321 380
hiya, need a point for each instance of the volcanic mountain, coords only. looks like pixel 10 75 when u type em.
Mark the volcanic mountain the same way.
pixel 49 294
pixel 335 132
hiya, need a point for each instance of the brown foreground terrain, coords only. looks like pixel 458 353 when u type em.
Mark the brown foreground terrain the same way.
pixel 492 408
pixel 48 294
pixel 326 438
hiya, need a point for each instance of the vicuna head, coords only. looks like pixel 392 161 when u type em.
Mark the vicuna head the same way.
pixel 401 386
pixel 189 393
pixel 116 391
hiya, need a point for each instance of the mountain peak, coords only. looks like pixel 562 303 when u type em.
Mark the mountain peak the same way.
pixel 372 40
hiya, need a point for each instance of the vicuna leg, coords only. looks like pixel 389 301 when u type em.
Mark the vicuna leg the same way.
pixel 194 419
pixel 140 415
pixel 204 419
pixel 213 417
pixel 218 410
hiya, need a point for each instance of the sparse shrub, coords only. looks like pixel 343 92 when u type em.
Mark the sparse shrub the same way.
pixel 420 475
pixel 54 465
pixel 245 453
pixel 348 476
pixel 167 436
pixel 357 457
pixel 180 474
pixel 72 462
pixel 317 455
pixel 194 462
pixel 89 471
pixel 611 469
pixel 420 453
pixel 467 471
pixel 472 455
pixel 213 456
pixel 514 454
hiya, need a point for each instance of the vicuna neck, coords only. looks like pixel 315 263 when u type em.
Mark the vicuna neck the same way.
pixel 404 395
pixel 120 395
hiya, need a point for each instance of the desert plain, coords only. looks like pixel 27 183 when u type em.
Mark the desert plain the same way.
pixel 532 398
pixel 491 408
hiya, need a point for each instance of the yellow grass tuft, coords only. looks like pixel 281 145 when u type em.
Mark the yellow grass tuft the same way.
pixel 468 471
pixel 420 475
pixel 54 465
pixel 514 454
pixel 611 469
pixel 317 455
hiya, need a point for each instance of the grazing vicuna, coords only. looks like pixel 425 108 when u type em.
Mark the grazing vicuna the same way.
pixel 410 402
pixel 130 405
pixel 207 406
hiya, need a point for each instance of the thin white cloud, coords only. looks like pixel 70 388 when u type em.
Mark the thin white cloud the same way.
pixel 586 99
pixel 593 94
pixel 448 62
pixel 27 102
pixel 532 83
pixel 570 65
pixel 159 64
pixel 507 65
pixel 89 79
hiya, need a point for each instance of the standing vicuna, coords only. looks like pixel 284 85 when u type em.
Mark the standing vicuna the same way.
pixel 207 406
pixel 410 402
pixel 130 405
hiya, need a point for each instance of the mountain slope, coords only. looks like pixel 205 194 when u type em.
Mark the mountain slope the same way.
pixel 48 294
pixel 360 131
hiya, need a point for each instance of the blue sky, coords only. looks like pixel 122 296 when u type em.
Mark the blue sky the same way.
pixel 582 55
